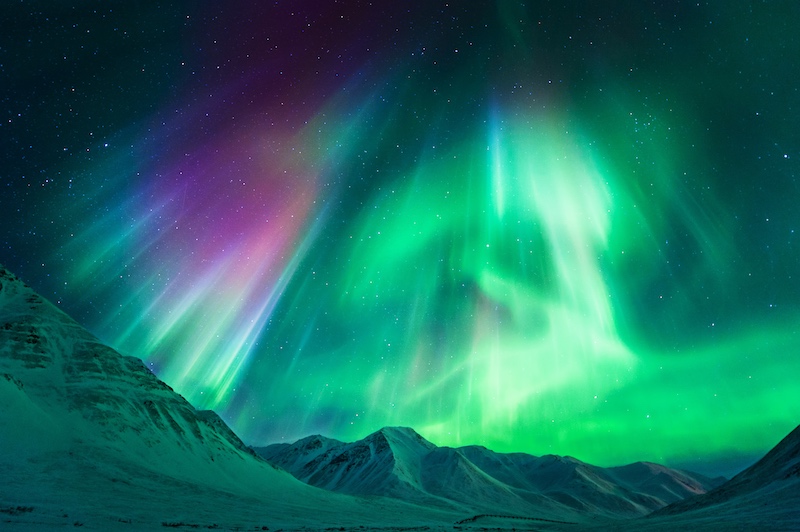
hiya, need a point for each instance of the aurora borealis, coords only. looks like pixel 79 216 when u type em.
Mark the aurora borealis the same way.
pixel 544 227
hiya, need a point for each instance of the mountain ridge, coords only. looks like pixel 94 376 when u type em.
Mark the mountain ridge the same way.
pixel 476 477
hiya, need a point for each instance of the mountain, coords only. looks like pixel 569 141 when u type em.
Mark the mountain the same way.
pixel 398 462
pixel 385 463
pixel 301 451
pixel 766 495
pixel 90 437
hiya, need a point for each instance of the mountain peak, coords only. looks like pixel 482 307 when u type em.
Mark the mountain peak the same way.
pixel 395 433
pixel 316 440
pixel 398 430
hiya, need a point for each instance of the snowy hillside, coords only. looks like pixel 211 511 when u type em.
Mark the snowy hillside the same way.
pixel 398 462
pixel 94 438
pixel 766 494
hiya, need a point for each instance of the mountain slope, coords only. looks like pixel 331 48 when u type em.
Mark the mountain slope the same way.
pixel 91 436
pixel 398 462
pixel 385 463
pixel 298 454
pixel 766 494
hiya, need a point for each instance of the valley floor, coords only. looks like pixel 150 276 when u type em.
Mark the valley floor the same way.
pixel 26 518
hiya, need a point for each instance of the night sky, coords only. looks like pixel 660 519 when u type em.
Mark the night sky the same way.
pixel 550 227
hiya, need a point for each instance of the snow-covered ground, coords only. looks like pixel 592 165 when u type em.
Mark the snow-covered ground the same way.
pixel 93 440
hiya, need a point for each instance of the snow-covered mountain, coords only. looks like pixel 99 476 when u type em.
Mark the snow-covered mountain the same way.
pixel 90 437
pixel 398 462
pixel 766 495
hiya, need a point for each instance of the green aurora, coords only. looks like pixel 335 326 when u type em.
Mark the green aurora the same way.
pixel 548 229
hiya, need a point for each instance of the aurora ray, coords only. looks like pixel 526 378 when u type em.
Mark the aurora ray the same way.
pixel 554 230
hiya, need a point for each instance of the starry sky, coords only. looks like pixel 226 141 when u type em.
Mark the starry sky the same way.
pixel 552 227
